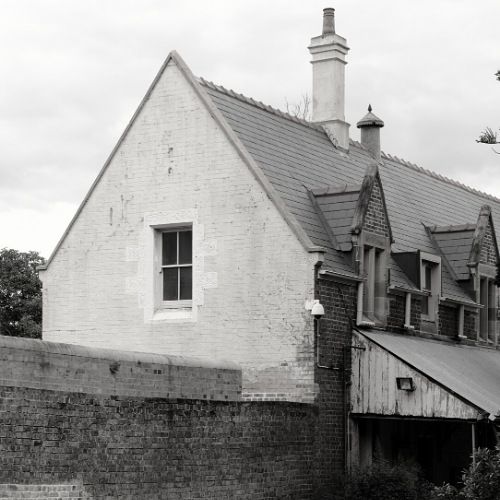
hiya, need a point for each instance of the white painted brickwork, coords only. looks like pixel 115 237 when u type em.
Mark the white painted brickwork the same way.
pixel 253 274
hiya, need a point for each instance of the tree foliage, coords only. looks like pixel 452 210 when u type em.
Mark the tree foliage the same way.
pixel 20 294
pixel 480 481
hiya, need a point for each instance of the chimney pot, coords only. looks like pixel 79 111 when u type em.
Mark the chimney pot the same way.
pixel 328 21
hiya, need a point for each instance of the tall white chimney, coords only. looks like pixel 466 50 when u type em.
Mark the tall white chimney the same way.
pixel 328 59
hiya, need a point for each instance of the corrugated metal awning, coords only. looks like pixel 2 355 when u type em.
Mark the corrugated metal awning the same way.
pixel 470 373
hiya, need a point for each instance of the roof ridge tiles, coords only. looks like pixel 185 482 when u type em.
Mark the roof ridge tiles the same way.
pixel 317 127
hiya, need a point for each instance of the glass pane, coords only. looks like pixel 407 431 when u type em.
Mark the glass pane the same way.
pixel 185 247
pixel 170 283
pixel 428 275
pixel 169 249
pixel 425 305
pixel 186 283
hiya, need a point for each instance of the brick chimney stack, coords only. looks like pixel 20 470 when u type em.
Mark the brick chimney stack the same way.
pixel 328 59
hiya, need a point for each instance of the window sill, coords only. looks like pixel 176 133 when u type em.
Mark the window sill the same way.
pixel 178 312
pixel 176 304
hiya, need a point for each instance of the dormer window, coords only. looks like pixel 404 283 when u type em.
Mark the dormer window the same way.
pixel 430 282
pixel 488 313
pixel 427 286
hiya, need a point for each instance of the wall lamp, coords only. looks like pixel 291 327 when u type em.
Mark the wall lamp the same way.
pixel 405 384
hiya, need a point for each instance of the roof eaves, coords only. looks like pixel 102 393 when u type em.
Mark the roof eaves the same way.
pixel 450 229
pixel 332 190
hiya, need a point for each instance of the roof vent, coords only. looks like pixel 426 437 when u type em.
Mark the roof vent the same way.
pixel 370 126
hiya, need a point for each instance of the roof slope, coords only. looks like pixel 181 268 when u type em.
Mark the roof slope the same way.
pixel 472 373
pixel 296 156
pixel 456 242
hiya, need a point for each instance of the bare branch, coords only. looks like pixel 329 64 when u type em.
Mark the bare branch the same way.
pixel 300 110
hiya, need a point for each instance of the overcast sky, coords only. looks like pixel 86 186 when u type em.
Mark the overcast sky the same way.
pixel 74 71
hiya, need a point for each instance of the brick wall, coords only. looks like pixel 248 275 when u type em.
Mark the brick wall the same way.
pixel 396 316
pixel 43 492
pixel 375 219
pixel 46 365
pixel 448 320
pixel 253 275
pixel 149 448
pixel 488 252
pixel 471 320
pixel 339 301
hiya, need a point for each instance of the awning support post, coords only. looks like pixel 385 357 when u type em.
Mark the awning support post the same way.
pixel 473 427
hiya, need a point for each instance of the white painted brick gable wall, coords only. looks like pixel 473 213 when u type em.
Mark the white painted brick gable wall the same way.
pixel 253 274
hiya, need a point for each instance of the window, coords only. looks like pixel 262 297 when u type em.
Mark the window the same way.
pixel 175 262
pixel 427 287
pixel 430 282
pixel 487 315
pixel 372 301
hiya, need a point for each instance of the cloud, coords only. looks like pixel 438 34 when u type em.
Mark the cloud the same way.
pixel 74 73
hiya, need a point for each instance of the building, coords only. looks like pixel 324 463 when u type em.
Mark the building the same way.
pixel 218 222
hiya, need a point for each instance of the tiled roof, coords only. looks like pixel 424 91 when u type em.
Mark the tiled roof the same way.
pixel 297 156
pixel 352 142
pixel 338 205
pixel 456 246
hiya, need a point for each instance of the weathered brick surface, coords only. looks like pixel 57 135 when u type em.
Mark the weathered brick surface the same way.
pixel 46 365
pixel 375 219
pixel 156 448
pixel 339 302
pixel 471 320
pixel 176 158
pixel 488 252
pixel 43 492
pixel 396 316
pixel 448 321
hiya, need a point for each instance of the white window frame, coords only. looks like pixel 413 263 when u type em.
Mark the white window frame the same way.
pixel 434 262
pixel 159 302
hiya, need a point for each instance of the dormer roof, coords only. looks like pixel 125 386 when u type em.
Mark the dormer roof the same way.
pixel 465 245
